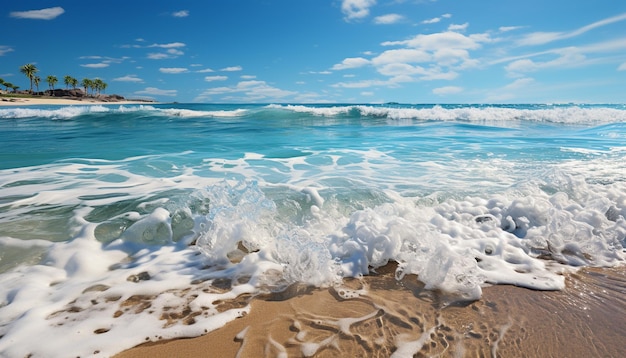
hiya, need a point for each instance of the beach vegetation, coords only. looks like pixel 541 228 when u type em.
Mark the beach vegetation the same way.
pixel 29 71
pixel 52 80
pixel 36 81
pixel 87 85
pixel 70 81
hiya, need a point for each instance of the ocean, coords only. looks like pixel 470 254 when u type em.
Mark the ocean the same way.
pixel 134 223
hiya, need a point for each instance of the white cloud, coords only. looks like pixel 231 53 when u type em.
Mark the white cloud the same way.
pixel 206 70
pixel 247 77
pixel 158 56
pixel 540 38
pixel 437 41
pixel 215 78
pixel 388 19
pixel 434 20
pixel 622 67
pixel 128 78
pixel 249 91
pixel 232 69
pixel 96 65
pixel 4 50
pixel 43 14
pixel 352 62
pixel 442 91
pixel 173 70
pixel 509 28
pixel 519 83
pixel 567 59
pixel 153 91
pixel 356 9
pixel 404 55
pixel 181 13
pixel 458 27
pixel 169 45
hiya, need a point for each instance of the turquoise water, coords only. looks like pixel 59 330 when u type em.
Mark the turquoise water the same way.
pixel 269 195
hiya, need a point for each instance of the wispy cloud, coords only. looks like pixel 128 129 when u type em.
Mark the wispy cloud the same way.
pixel 356 9
pixel 252 91
pixel 43 14
pixel 540 38
pixel 435 20
pixel 232 69
pixel 352 62
pixel 388 19
pixel 622 67
pixel 215 78
pixel 95 65
pixel 4 50
pixel 153 91
pixel 173 70
pixel 181 13
pixel 128 78
pixel 442 91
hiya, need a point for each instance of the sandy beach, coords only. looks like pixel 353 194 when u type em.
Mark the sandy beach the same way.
pixel 399 318
pixel 14 101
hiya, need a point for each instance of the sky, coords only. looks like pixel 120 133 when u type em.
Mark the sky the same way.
pixel 325 51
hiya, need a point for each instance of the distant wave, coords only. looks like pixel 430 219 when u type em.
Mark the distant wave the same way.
pixel 571 114
pixel 69 112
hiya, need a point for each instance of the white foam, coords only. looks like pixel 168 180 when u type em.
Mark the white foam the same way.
pixel 550 114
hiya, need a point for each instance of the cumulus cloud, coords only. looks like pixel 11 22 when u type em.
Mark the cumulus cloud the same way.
pixel 181 13
pixel 356 9
pixel 442 91
pixel 173 70
pixel 4 50
pixel 215 78
pixel 153 91
pixel 352 62
pixel 206 70
pixel 43 14
pixel 388 19
pixel 128 78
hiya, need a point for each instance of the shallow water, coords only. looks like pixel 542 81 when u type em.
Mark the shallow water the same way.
pixel 102 204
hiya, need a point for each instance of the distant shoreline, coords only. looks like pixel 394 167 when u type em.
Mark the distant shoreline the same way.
pixel 6 101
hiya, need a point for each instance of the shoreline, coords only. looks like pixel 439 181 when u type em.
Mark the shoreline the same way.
pixel 27 101
pixel 403 319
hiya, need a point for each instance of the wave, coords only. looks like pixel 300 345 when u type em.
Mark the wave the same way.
pixel 566 114
pixel 71 112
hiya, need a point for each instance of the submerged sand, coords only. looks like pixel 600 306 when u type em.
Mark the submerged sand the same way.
pixel 378 316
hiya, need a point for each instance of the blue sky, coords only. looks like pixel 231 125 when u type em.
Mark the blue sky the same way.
pixel 341 51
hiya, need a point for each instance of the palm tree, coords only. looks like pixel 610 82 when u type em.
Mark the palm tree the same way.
pixel 68 81
pixel 1 82
pixel 74 83
pixel 99 85
pixel 7 85
pixel 87 83
pixel 13 87
pixel 29 70
pixel 36 81
pixel 52 80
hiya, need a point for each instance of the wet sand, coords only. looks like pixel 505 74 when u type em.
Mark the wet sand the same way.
pixel 400 318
